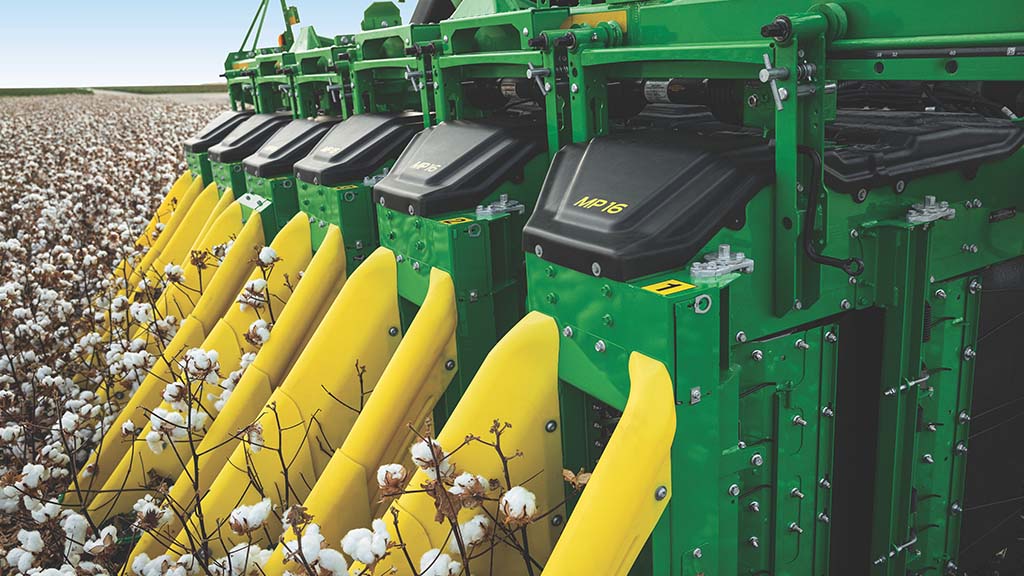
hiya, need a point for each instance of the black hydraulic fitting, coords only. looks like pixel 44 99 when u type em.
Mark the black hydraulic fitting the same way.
pixel 540 42
pixel 781 29
pixel 567 41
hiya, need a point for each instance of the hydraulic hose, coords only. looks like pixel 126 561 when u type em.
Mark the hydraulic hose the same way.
pixel 852 266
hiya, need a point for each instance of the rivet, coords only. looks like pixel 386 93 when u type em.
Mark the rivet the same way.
pixel 393 331
pixel 551 426
pixel 449 365
pixel 600 346
pixel 526 31
pixel 661 493
pixel 556 520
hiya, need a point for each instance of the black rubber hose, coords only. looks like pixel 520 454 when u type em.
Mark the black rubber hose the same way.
pixel 432 11
pixel 852 266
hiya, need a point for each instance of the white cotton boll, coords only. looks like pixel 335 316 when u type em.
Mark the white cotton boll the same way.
pixel 430 457
pixel 69 422
pixel 30 541
pixel 149 515
pixel 268 256
pixel 128 429
pixel 174 274
pixel 519 505
pixel 155 442
pixel 222 400
pixel 32 474
pixel 141 312
pixel 139 563
pixel 21 559
pixel 258 333
pixel 175 394
pixel 367 546
pixel 434 563
pixel 309 545
pixel 391 477
pixel 46 512
pixel 474 533
pixel 246 519
pixel 199 419
pixel 157 566
pixel 332 562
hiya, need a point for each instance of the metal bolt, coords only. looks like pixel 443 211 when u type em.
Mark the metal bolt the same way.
pixel 901 185
pixel 796 493
pixel 547 86
pixel 952 568
pixel 752 101
pixel 754 542
pixel 960 449
pixel 831 337
pixel 400 258
pixel 862 195
pixel 449 365
pixel 823 518
pixel 412 210
pixel 754 506
pixel 474 295
pixel 445 38
pixel 557 520
pixel 802 344
pixel 969 353
pixel 824 483
pixel 798 305
pixel 661 493
pixel 853 281
pixel 551 426
pixel 697 553
pixel 538 250
pixel 845 304
pixel 964 417
pixel 741 336
pixel 757 355
pixel 575 88
pixel 526 31
pixel 956 508
pixel 854 233
pixel 416 266
pixel 828 412
pixel 794 527
pixel 600 346
pixel 551 298
pixel 695 395
pixel 928 459
pixel 393 331
pixel 974 287
pixel 596 269
pixel 756 460
pixel 734 490
pixel 798 420
pixel 940 294
pixel 783 93
pixel 567 331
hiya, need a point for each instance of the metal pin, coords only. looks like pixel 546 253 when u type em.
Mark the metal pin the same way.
pixel 928 459
pixel 823 518
pixel 754 506
pixel 824 483
pixel 828 412
pixel 798 420
pixel 802 344
pixel 796 493
pixel 754 542
pixel 794 527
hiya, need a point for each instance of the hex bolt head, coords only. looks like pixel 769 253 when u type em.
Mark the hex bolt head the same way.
pixel 757 355
pixel 828 412
pixel 567 332
pixel 399 258
pixel 756 460
pixel 661 493
pixel 538 250
pixel 416 266
pixel 824 483
pixel 798 305
pixel 831 337
pixel 754 542
pixel 969 353
pixel 802 344
pixel 940 294
pixel 698 553
pixel 754 506
pixel 963 417
pixel 575 88
pixel 974 287
pixel 960 449
pixel 798 420
pixel 796 493
pixel 823 518
pixel 794 527
pixel 600 346
pixel 955 508
pixel 734 490
pixel 845 304
pixel 741 336
pixel 854 233
pixel 928 459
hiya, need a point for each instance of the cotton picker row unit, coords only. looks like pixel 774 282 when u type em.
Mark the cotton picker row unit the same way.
pixel 664 287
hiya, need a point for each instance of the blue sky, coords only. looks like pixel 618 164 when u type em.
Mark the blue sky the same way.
pixel 145 42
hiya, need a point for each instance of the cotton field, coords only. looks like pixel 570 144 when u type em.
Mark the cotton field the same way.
pixel 80 177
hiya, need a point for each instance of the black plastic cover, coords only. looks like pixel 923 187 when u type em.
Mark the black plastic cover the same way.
pixel 645 202
pixel 358 147
pixel 287 146
pixel 871 149
pixel 216 130
pixel 455 165
pixel 248 137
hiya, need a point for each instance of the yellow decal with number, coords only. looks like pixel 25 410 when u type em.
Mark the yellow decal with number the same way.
pixel 601 204
pixel 453 221
pixel 669 287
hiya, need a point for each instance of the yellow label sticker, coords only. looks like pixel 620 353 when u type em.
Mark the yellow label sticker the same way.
pixel 669 287
pixel 454 221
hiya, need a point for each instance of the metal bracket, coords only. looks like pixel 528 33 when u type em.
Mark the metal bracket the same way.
pixel 721 263
pixel 502 206
pixel 255 203
pixel 930 211
pixel 414 76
